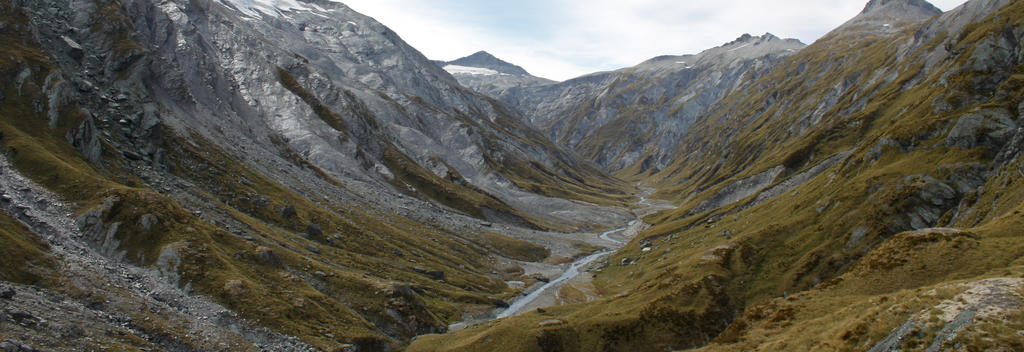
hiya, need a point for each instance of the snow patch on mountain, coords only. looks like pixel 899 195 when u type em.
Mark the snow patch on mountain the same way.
pixel 466 70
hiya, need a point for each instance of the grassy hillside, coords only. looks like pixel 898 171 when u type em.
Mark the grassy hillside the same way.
pixel 799 200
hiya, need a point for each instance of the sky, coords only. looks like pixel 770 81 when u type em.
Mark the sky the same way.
pixel 562 39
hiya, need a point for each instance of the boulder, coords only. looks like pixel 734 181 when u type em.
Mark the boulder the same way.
pixel 433 274
pixel 288 212
pixel 267 256
pixel 75 50
pixel 315 230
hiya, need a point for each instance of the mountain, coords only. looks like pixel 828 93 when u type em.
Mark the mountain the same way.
pixel 889 16
pixel 290 175
pixel 483 59
pixel 261 175
pixel 862 194
pixel 635 117
pixel 489 75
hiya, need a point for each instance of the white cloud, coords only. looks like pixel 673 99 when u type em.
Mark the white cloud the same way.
pixel 569 38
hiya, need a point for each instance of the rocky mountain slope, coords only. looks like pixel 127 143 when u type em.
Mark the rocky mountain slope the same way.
pixel 484 73
pixel 249 174
pixel 635 117
pixel 862 194
pixel 290 175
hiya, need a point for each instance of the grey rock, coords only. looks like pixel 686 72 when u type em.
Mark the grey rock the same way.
pixel 75 50
pixel 739 190
pixel 267 256
pixel 147 221
pixel 314 230
pixel 22 317
pixel 288 212
pixel 893 342
pixel 434 274
pixel 989 127
pixel 7 293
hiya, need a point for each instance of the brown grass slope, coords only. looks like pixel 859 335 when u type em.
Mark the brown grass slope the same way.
pixel 925 125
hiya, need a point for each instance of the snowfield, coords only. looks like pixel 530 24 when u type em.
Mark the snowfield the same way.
pixel 466 70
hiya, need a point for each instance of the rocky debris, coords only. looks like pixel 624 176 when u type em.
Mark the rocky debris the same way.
pixel 986 299
pixel 13 346
pixel 51 319
pixel 7 292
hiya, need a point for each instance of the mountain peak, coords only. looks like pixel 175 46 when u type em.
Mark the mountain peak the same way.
pixel 890 15
pixel 483 59
pixel 482 55
pixel 921 6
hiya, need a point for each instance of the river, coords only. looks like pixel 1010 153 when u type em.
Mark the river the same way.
pixel 568 274
pixel 576 267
